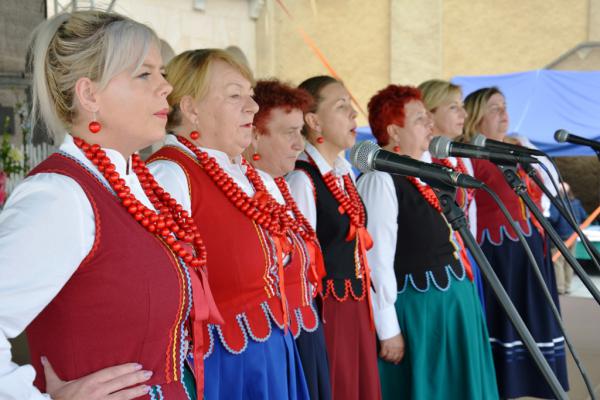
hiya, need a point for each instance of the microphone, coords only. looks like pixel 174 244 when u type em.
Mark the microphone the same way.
pixel 368 156
pixel 442 147
pixel 562 135
pixel 490 144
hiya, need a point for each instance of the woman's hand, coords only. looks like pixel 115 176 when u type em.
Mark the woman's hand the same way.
pixel 392 349
pixel 108 383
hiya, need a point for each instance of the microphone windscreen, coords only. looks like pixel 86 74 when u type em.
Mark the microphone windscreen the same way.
pixel 479 140
pixel 362 154
pixel 561 135
pixel 439 147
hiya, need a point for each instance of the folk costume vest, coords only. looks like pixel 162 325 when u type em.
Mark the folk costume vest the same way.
pixel 243 267
pixel 128 301
pixel 425 251
pixel 344 246
pixel 493 225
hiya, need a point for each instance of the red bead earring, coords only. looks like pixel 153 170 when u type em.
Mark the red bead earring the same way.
pixel 194 135
pixel 94 126
pixel 256 157
pixel 320 139
pixel 396 149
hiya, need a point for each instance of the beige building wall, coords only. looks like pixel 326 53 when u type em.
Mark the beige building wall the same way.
pixel 493 37
pixel 353 34
pixel 446 38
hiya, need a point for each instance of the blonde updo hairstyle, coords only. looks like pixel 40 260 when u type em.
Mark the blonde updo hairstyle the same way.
pixel 92 44
pixel 189 74
pixel 436 92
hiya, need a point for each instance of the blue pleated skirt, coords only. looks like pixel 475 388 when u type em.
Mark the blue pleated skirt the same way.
pixel 269 370
pixel 516 372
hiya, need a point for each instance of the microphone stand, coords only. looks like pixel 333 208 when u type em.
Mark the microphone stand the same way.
pixel 511 176
pixel 456 218
pixel 594 255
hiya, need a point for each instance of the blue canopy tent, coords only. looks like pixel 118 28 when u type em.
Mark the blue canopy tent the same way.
pixel 540 102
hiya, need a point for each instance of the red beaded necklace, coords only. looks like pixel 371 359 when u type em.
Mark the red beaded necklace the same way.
pixel 427 193
pixel 171 223
pixel 462 169
pixel 307 232
pixel 261 208
pixel 348 200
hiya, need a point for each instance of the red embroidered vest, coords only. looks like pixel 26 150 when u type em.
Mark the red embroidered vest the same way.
pixel 490 220
pixel 128 301
pixel 242 264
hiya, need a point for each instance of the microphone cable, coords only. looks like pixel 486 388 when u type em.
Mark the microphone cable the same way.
pixel 540 279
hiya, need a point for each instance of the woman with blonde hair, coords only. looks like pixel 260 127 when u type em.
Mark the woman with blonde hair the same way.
pixel 443 100
pixel 250 238
pixel 517 375
pixel 97 262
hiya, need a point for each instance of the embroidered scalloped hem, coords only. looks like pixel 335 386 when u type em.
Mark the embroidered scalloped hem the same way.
pixel 302 324
pixel 431 280
pixel 497 238
pixel 348 291
pixel 237 345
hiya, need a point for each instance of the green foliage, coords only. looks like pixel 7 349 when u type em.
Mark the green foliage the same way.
pixel 11 159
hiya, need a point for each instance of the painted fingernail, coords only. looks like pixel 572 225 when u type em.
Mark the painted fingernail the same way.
pixel 137 367
pixel 145 388
pixel 147 374
pixel 44 360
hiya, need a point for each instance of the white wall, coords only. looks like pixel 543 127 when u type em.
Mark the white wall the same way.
pixel 222 23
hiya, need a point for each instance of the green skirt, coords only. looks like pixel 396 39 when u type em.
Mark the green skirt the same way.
pixel 447 350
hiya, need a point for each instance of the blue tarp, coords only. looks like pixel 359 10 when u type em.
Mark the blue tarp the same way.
pixel 540 102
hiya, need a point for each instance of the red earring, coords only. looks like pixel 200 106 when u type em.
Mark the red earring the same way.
pixel 256 157
pixel 94 126
pixel 320 139
pixel 194 135
pixel 396 149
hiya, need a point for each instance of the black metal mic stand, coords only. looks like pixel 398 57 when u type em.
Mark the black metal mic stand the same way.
pixel 511 176
pixel 457 220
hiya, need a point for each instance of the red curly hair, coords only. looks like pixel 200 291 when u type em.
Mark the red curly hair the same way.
pixel 270 94
pixel 387 107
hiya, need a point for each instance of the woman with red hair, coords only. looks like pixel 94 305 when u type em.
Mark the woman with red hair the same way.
pixel 276 144
pixel 428 318
pixel 323 186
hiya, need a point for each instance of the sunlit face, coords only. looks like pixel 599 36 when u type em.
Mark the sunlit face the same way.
pixel 226 112
pixel 133 106
pixel 494 124
pixel 449 117
pixel 415 135
pixel 337 117
pixel 282 143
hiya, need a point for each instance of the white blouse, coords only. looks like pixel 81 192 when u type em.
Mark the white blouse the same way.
pixel 301 185
pixel 171 177
pixel 47 228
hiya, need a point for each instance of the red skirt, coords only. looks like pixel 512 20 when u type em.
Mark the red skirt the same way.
pixel 351 349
